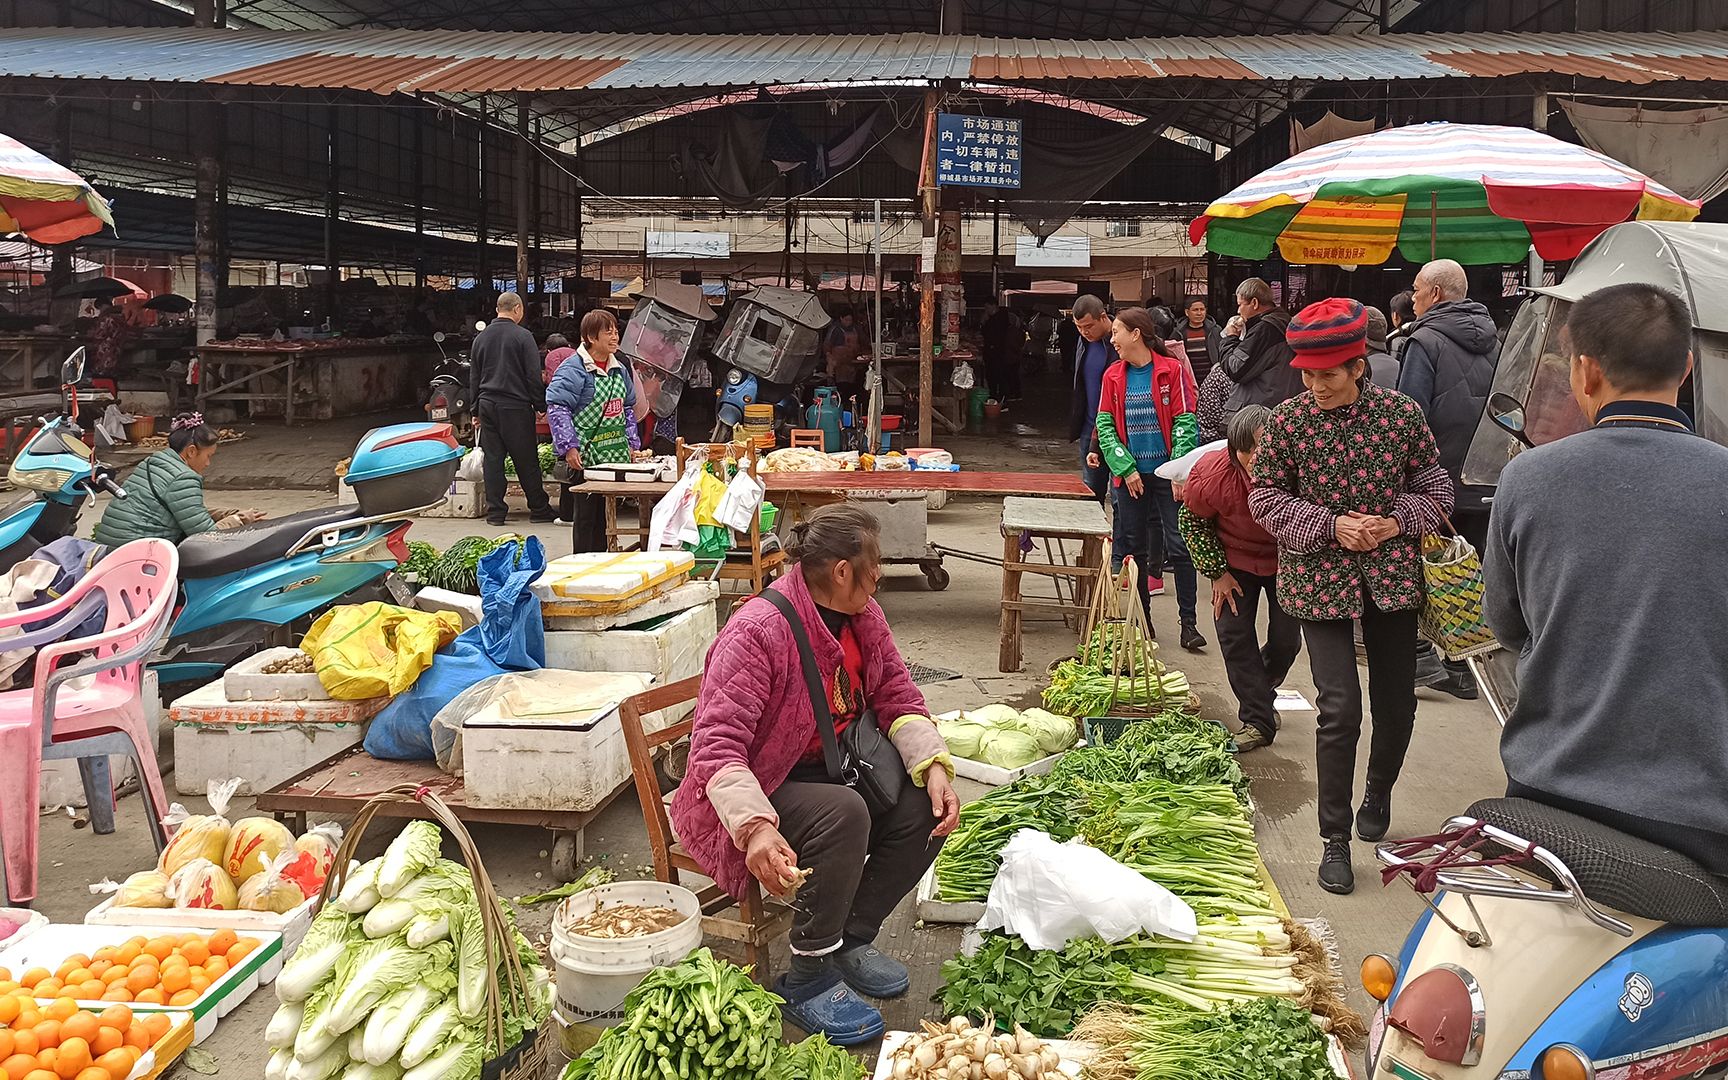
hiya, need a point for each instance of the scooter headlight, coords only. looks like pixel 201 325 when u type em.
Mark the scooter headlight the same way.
pixel 734 377
pixel 1566 1062
pixel 1379 976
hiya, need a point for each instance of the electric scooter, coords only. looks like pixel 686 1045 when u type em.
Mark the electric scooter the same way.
pixel 241 586
pixel 55 465
pixel 1552 948
pixel 447 394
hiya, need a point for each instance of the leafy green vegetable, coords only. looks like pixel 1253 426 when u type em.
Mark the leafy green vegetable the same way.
pixel 1264 1039
pixel 458 569
pixel 815 1059
pixel 1008 749
pixel 1078 689
pixel 421 558
pixel 469 936
pixel 597 876
pixel 413 851
pixel 430 1032
pixel 328 940
pixel 379 970
pixel 458 1059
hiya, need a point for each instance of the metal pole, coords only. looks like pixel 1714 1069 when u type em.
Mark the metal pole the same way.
pixel 483 275
pixel 927 195
pixel 419 208
pixel 332 215
pixel 536 193
pixel 874 427
pixel 576 170
pixel 996 250
pixel 524 163
pixel 1540 121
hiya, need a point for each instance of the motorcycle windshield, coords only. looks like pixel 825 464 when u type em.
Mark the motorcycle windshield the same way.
pixel 1534 370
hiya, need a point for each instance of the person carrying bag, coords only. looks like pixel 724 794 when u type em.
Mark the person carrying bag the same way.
pixel 1452 615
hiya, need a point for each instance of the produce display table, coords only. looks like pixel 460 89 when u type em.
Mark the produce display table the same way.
pixel 342 784
pixel 312 380
pixel 28 360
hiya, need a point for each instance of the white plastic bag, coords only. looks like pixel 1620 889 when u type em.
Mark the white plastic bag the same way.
pixel 113 423
pixel 472 467
pixel 738 508
pixel 1178 470
pixel 1050 894
pixel 674 517
pixel 963 378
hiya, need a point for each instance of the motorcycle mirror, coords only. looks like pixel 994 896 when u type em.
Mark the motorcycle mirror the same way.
pixel 72 371
pixel 438 337
pixel 1507 412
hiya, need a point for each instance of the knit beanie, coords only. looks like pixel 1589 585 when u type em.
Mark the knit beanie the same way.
pixel 1328 333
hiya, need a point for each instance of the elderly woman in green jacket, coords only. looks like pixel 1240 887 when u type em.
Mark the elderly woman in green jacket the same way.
pixel 165 493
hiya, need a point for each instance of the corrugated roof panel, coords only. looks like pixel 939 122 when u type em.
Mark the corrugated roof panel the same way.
pixel 1014 68
pixel 1688 68
pixel 1221 67
pixel 382 75
pixel 1497 64
pixel 534 75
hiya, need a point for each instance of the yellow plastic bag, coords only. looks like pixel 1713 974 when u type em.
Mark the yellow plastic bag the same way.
pixel 709 491
pixel 376 649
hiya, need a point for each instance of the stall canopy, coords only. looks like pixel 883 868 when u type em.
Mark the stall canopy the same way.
pixel 1688 258
pixel 44 200
pixel 1687 149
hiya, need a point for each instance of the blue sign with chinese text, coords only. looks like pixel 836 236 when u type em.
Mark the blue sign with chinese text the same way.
pixel 977 151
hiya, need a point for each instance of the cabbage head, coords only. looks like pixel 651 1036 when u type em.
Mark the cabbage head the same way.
pixel 1010 749
pixel 993 716
pixel 964 739
pixel 1054 733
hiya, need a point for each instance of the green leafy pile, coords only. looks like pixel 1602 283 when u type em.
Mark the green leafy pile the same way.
pixel 1081 689
pixel 421 558
pixel 1183 749
pixel 1263 1039
pixel 705 1019
pixel 547 457
pixel 392 977
pixel 458 569
pixel 969 860
pixel 1047 991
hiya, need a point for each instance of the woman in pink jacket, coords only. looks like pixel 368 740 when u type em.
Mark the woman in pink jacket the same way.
pixel 758 801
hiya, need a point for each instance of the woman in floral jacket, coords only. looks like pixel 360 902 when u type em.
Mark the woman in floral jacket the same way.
pixel 1348 480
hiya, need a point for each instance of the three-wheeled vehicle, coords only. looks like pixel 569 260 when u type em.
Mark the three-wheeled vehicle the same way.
pixel 1553 947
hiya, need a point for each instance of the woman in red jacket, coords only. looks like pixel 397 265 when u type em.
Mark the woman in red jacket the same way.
pixel 1145 418
pixel 1241 558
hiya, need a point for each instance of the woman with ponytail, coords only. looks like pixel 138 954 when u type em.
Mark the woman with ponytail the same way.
pixel 165 493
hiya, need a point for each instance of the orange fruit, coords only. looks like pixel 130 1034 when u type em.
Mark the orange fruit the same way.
pixel 48 1059
pixel 18 1066
pixel 106 1039
pixel 8 988
pixel 28 1017
pixel 157 1024
pixel 221 941
pixel 5 1043
pixel 99 967
pixel 61 1009
pixel 92 990
pixel 184 997
pixel 142 978
pixel 5 974
pixel 125 954
pixel 80 1025
pixel 33 977
pixel 175 980
pixel 9 1007
pixel 118 1017
pixel 195 951
pixel 138 1036
pixel 74 1058
pixel 117 1063
pixel 106 952
pixel 216 967
pixel 25 1042
pixel 116 975
pixel 47 1034
pixel 161 948
pixel 41 1074
pixel 200 983
pixel 49 988
pixel 152 996
pixel 117 993
pixel 94 1073
pixel 240 951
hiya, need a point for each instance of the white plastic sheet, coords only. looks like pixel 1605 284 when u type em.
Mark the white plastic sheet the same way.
pixel 1050 894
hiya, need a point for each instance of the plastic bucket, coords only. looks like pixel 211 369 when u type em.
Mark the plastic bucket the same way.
pixel 595 975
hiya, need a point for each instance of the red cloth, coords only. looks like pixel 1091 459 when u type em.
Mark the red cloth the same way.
pixel 845 691
pixel 555 359
pixel 1173 393
pixel 1218 491
pixel 754 711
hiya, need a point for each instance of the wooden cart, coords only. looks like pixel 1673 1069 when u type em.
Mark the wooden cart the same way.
pixel 342 784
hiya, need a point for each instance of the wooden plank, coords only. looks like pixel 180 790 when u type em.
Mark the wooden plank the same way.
pixel 1008 658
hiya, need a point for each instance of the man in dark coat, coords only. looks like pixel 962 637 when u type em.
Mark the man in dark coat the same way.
pixel 1447 367
pixel 507 388
pixel 1258 361
pixel 1202 338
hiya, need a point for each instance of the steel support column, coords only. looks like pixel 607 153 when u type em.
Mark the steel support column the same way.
pixel 524 164
pixel 332 217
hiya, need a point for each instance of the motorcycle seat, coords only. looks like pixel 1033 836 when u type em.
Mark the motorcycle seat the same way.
pixel 1614 869
pixel 224 551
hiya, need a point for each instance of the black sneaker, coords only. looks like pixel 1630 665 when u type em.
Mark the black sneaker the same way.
pixel 543 517
pixel 1429 670
pixel 495 522
pixel 1191 639
pixel 1336 875
pixel 1460 684
pixel 1375 815
pixel 1249 739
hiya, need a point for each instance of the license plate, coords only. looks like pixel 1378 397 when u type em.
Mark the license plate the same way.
pixel 399 590
pixel 440 414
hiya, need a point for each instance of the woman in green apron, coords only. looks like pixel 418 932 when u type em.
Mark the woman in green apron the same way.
pixel 591 409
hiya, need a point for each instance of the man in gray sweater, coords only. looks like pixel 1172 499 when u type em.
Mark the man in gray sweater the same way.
pixel 1605 571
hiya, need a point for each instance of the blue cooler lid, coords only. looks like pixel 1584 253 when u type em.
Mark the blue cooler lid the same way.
pixel 401 448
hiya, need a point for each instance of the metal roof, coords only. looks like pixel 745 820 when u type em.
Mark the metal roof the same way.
pixel 390 61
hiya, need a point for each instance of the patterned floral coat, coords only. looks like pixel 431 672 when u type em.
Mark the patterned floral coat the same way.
pixel 1375 456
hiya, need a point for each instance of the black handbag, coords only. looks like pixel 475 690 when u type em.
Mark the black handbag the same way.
pixel 861 757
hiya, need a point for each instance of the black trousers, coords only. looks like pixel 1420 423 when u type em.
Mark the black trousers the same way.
pixel 506 430
pixel 1256 670
pixel 862 866
pixel 1390 639
pixel 587 521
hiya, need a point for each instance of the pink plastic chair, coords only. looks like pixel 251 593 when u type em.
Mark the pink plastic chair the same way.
pixel 137 584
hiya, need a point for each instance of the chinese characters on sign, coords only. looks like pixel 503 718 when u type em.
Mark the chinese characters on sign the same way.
pixel 977 151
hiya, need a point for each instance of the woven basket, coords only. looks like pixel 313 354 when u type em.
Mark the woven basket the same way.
pixel 528 1059
pixel 1452 598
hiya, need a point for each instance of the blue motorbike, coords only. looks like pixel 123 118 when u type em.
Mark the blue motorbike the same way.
pixel 241 587
pixel 57 469
pixel 1551 948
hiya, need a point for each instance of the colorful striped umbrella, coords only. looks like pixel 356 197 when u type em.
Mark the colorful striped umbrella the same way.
pixel 44 201
pixel 1471 192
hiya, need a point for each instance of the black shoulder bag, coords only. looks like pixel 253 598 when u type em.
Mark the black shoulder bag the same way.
pixel 861 757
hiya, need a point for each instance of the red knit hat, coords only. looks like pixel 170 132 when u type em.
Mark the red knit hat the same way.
pixel 1328 333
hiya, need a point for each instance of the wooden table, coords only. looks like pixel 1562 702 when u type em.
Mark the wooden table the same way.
pixel 312 380
pixel 1048 519
pixel 28 360
pixel 342 784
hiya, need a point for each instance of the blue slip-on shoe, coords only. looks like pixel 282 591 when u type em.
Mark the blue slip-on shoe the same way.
pixel 871 973
pixel 836 1012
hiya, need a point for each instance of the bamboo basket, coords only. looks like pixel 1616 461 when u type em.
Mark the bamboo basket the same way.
pixel 1132 656
pixel 529 1058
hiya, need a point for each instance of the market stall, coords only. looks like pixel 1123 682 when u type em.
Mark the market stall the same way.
pixel 312 380
pixel 32 359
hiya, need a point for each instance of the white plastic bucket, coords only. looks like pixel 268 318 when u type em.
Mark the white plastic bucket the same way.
pixel 595 975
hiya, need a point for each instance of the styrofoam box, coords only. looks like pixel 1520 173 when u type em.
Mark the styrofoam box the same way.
pixel 28 923
pixel 570 765
pixel 933 910
pixel 611 576
pixel 465 499
pixel 263 755
pixel 51 945
pixel 670 651
pixel 465 605
pixel 292 925
pixel 247 681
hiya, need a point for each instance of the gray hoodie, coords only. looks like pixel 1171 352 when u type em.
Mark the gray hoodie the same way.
pixel 1447 366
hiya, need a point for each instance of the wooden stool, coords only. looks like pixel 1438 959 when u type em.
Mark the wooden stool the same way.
pixel 808 437
pixel 1051 519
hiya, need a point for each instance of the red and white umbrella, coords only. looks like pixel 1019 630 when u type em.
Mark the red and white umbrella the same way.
pixel 44 200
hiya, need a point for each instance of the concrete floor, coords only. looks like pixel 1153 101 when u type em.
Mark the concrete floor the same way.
pixel 1453 759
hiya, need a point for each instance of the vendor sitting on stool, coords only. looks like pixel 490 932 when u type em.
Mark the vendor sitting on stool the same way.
pixel 591 409
pixel 758 799
pixel 165 493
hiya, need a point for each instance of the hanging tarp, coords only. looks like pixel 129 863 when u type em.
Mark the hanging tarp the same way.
pixel 1686 149
pixel 758 145
pixel 1329 128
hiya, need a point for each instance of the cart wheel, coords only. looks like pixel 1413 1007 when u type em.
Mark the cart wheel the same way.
pixel 566 855
pixel 936 575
